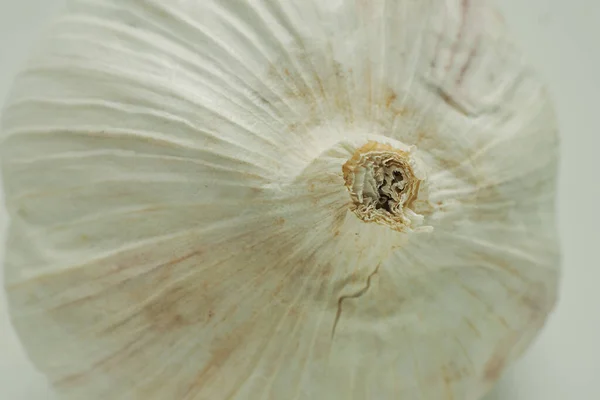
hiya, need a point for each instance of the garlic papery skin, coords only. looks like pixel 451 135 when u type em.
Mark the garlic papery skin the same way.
pixel 382 185
pixel 308 200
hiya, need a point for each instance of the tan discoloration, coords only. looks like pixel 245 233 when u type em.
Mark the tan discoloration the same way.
pixel 171 311
pixel 371 163
pixel 449 395
pixel 390 98
pixel 307 93
pixel 464 10
pixel 164 314
pixel 503 322
pixel 420 136
pixel 494 368
pixel 364 8
pixel 339 219
pixel 326 273
pixel 318 93
pixel 451 374
pixel 369 147
pixel 483 258
pixel 163 270
pixel 472 327
pixel 294 311
pixel 537 300
pixel 489 308
pixel 502 354
pixel 221 352
pixel 451 102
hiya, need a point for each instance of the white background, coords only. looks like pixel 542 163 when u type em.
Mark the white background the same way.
pixel 561 38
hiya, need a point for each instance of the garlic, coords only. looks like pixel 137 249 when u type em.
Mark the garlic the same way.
pixel 382 185
pixel 278 200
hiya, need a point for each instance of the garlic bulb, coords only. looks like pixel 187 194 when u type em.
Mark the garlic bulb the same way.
pixel 278 199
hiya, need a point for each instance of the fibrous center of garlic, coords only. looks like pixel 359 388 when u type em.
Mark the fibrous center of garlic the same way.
pixel 383 185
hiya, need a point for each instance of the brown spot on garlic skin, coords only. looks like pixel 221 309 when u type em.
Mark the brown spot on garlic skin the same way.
pixel 293 311
pixel 497 363
pixel 339 221
pixel 390 99
pixel 452 376
pixel 494 368
pixel 537 301
pixel 448 380
pixel 165 314
pixel 510 348
pixel 472 326
pixel 451 102
pixel 326 273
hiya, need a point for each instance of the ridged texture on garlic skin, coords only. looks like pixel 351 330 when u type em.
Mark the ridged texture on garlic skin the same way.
pixel 179 223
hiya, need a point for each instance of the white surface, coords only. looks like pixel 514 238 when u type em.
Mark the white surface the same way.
pixel 560 38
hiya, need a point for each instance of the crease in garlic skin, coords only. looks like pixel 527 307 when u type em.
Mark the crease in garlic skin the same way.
pixel 196 194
